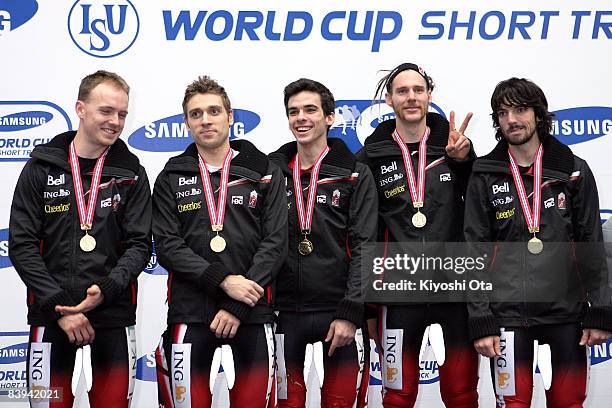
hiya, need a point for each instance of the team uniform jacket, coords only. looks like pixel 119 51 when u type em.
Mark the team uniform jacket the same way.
pixel 445 185
pixel 45 233
pixel 254 228
pixel 343 223
pixel 571 269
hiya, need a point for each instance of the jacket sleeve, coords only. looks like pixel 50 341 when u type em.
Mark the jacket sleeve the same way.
pixel 477 232
pixel 136 239
pixel 172 251
pixel 371 309
pixel 590 251
pixel 362 231
pixel 25 234
pixel 272 249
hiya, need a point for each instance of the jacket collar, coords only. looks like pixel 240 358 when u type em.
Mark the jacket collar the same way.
pixel 338 161
pixel 558 158
pixel 250 159
pixel 118 159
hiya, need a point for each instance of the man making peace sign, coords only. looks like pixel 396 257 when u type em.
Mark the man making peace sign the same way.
pixel 421 166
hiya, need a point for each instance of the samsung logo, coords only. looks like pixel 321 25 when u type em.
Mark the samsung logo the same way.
pixel 577 125
pixel 27 124
pixel 17 353
pixel 153 267
pixel 15 13
pixel 5 261
pixel 145 368
pixel 24 120
pixel 172 135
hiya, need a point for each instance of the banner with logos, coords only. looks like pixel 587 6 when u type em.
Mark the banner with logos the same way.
pixel 254 50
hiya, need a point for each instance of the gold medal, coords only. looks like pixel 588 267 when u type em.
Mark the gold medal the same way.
pixel 217 244
pixel 535 245
pixel 305 247
pixel 419 219
pixel 86 212
pixel 87 243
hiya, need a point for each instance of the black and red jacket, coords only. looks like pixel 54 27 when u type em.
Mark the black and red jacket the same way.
pixel 445 184
pixel 568 281
pixel 44 234
pixel 255 229
pixel 343 224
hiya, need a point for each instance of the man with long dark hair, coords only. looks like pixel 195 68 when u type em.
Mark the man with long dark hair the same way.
pixel 533 205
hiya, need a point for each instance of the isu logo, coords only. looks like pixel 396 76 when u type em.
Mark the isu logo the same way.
pixel 391 373
pixel 502 379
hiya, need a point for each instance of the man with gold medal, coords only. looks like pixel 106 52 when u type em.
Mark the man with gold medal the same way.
pixel 421 165
pixel 331 205
pixel 220 231
pixel 536 204
pixel 79 238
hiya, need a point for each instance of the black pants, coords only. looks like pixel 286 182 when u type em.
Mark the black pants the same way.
pixel 345 380
pixel 184 361
pixel 51 359
pixel 402 329
pixel 512 373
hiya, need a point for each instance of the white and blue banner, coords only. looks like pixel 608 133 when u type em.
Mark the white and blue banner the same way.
pixel 254 49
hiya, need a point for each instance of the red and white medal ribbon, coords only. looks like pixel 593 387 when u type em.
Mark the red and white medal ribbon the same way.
pixel 216 212
pixel 532 217
pixel 416 184
pixel 305 216
pixel 86 213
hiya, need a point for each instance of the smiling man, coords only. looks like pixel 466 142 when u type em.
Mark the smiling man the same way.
pixel 330 200
pixel 220 229
pixel 79 237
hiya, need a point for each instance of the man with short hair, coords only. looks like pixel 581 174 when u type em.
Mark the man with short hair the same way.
pixel 421 166
pixel 79 237
pixel 536 203
pixel 220 231
pixel 330 202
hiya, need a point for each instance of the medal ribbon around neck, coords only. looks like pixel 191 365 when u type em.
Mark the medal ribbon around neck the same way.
pixel 532 218
pixel 417 188
pixel 86 213
pixel 216 213
pixel 305 217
